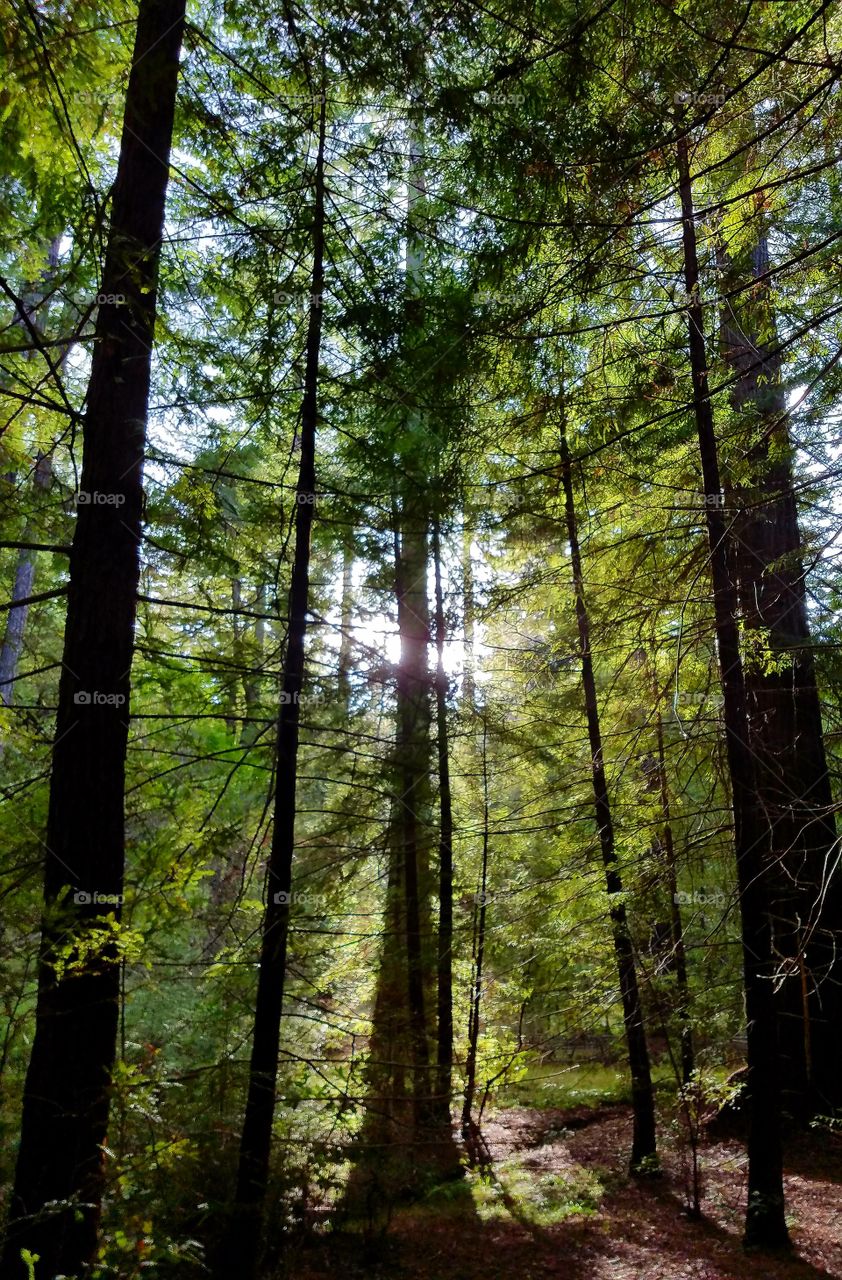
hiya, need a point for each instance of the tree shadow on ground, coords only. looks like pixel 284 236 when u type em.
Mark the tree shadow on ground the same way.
pixel 637 1231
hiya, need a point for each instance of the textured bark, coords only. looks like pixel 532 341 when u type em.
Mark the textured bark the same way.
pixel 66 1094
pixel 241 1251
pixel 644 1143
pixel 783 707
pixel 765 1220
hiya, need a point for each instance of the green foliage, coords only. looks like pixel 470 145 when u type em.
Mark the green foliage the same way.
pixel 549 294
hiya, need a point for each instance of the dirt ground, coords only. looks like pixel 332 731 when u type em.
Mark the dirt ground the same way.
pixel 637 1230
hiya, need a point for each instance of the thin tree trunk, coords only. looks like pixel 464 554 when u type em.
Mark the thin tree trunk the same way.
pixel 66 1094
pixel 468 615
pixel 469 1130
pixel 255 655
pixel 445 935
pixel 413 752
pixel 783 707
pixel 676 925
pixel 243 1244
pixel 232 678
pixel 644 1146
pixel 765 1220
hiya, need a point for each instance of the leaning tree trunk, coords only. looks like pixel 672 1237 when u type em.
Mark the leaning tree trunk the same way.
pixel 783 707
pixel 241 1250
pixel 66 1094
pixel 644 1146
pixel 765 1220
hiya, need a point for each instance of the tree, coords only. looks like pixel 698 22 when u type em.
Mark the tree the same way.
pixel 765 1220
pixel 644 1144
pixel 66 1095
pixel 783 707
pixel 242 1246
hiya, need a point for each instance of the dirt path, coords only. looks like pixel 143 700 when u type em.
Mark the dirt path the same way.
pixel 561 1206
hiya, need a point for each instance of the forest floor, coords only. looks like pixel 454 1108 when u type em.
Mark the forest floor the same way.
pixel 559 1204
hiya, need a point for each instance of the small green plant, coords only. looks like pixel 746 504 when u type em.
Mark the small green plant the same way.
pixel 29 1259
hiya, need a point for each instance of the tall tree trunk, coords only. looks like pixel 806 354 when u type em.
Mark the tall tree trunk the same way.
pixel 470 1132
pixel 255 654
pixel 468 615
pixel 231 677
pixel 66 1094
pixel 765 1220
pixel 413 811
pixel 445 934
pixel 783 707
pixel 405 1139
pixel 644 1145
pixel 242 1246
pixel 676 925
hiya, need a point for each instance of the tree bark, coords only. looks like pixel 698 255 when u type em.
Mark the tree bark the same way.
pixel 644 1144
pixel 66 1094
pixel 241 1250
pixel 765 1220
pixel 783 707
